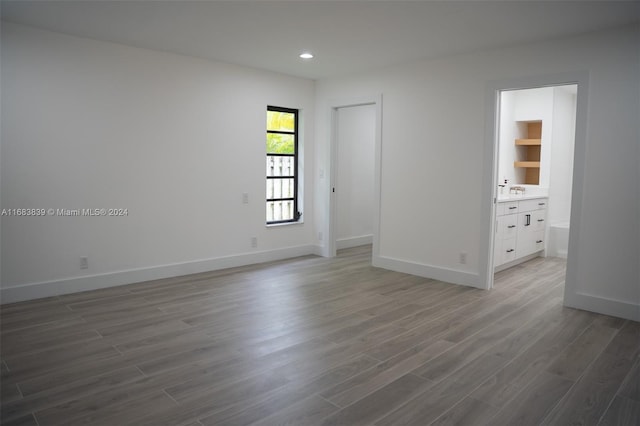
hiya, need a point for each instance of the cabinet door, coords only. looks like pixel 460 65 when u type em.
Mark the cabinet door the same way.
pixel 538 219
pixel 539 239
pixel 508 226
pixel 531 227
pixel 526 238
pixel 508 250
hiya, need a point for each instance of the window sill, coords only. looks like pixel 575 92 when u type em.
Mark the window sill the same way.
pixel 278 225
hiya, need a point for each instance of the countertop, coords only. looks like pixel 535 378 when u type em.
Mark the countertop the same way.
pixel 516 197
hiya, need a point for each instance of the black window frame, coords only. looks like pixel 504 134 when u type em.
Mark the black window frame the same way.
pixel 296 212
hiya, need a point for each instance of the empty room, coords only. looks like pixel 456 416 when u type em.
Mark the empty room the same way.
pixel 320 212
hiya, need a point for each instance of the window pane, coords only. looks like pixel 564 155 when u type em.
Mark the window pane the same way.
pixel 280 144
pixel 280 166
pixel 280 188
pixel 279 210
pixel 282 121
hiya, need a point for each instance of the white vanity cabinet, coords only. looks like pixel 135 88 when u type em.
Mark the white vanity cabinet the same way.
pixel 520 229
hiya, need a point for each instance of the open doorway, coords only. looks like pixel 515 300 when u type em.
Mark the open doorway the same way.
pixel 535 160
pixel 355 136
pixel 355 174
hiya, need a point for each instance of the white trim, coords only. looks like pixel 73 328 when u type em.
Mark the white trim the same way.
pixel 330 230
pixel 518 261
pixel 562 254
pixel 277 225
pixel 490 175
pixel 343 243
pixel 601 305
pixel 489 182
pixel 452 276
pixel 317 250
pixel 39 290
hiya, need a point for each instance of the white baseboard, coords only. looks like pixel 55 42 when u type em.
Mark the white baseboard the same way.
pixel 555 252
pixel 600 305
pixel 317 250
pixel 362 240
pixel 39 290
pixel 519 261
pixel 442 274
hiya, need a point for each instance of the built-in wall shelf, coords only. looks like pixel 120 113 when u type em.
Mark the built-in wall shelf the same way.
pixel 531 142
pixel 528 151
pixel 526 164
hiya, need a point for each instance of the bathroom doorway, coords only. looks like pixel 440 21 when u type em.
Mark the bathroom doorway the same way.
pixel 536 138
pixel 550 197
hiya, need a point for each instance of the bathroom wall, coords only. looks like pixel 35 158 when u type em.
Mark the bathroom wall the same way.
pixel 561 157
pixel 515 107
pixel 508 132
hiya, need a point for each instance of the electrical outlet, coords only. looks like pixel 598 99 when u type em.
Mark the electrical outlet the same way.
pixel 463 258
pixel 320 236
pixel 245 198
pixel 84 262
pixel 254 242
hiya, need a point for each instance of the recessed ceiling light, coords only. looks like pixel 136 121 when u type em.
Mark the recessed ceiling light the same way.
pixel 306 55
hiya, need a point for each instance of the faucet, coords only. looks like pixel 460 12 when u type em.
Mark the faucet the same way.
pixel 515 189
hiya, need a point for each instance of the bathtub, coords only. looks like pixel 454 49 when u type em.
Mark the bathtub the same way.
pixel 558 240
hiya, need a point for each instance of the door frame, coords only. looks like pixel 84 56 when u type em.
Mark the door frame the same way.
pixel 490 162
pixel 331 231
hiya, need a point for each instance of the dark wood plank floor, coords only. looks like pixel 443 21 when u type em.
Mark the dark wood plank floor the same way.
pixel 315 341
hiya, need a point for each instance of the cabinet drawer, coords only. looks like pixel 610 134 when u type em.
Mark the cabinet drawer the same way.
pixel 508 250
pixel 500 209
pixel 510 207
pixel 542 203
pixel 530 205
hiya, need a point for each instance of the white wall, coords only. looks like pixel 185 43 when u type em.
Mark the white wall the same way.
pixel 432 150
pixel 356 144
pixel 562 149
pixel 508 132
pixel 175 139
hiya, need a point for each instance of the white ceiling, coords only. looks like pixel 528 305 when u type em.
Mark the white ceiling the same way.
pixel 346 36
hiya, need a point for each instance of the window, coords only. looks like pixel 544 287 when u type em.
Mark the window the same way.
pixel 282 165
